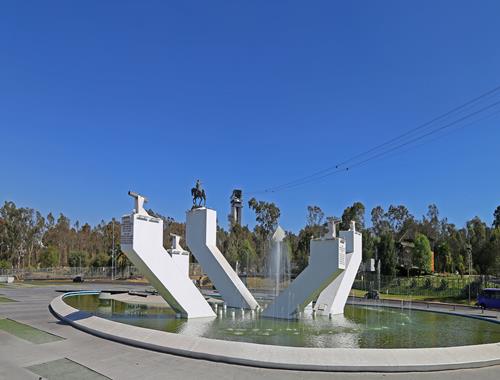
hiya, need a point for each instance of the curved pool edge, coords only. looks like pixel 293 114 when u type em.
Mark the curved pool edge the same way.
pixel 281 357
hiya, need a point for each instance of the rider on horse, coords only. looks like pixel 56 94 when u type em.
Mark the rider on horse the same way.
pixel 198 194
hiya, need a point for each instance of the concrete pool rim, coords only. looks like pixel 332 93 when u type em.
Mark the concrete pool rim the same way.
pixel 280 357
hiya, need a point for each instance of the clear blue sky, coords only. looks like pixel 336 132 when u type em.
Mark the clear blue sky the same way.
pixel 99 97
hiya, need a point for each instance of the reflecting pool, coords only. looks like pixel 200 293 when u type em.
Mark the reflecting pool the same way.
pixel 359 327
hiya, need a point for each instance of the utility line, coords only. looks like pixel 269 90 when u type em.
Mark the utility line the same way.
pixel 383 153
pixel 342 167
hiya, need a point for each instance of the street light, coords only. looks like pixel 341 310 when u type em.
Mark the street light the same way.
pixel 113 253
pixel 469 256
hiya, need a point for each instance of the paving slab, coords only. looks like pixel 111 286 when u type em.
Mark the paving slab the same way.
pixel 122 362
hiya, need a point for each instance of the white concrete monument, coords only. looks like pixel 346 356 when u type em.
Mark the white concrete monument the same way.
pixel 332 300
pixel 201 229
pixel 326 263
pixel 179 254
pixel 142 242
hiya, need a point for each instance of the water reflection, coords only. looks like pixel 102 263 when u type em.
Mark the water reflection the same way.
pixel 360 326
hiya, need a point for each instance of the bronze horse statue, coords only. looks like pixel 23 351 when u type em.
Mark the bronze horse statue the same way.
pixel 198 197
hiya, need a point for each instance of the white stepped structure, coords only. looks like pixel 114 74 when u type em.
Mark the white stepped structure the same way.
pixel 326 263
pixel 142 242
pixel 201 229
pixel 332 300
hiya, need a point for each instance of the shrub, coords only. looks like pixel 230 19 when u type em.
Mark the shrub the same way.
pixel 5 264
pixel 413 284
pixel 443 285
pixel 475 288
pixel 428 283
pixel 77 259
pixel 100 260
pixel 49 257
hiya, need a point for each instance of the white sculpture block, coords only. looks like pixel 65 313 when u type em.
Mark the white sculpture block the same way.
pixel 201 229
pixel 142 242
pixel 179 254
pixel 326 262
pixel 332 300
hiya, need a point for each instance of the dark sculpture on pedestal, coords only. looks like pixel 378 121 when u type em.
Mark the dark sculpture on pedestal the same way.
pixel 198 194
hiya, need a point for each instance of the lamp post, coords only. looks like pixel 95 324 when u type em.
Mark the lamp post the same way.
pixel 469 256
pixel 113 252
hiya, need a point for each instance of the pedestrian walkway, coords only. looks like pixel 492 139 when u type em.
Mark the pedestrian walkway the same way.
pixel 118 361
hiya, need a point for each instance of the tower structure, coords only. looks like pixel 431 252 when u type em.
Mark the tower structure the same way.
pixel 236 207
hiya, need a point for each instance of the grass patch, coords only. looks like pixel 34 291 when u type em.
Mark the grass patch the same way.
pixel 408 297
pixel 65 369
pixel 27 333
pixel 5 299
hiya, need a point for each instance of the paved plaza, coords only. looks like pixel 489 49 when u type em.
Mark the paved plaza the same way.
pixel 100 358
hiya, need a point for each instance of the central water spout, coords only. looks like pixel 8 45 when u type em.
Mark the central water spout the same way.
pixel 278 261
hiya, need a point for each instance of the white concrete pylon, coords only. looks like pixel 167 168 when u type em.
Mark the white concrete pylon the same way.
pixel 326 262
pixel 333 298
pixel 142 242
pixel 201 229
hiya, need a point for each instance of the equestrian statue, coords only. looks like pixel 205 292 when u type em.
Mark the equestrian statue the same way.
pixel 198 194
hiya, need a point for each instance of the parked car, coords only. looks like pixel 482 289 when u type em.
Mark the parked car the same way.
pixel 489 298
pixel 372 295
pixel 78 279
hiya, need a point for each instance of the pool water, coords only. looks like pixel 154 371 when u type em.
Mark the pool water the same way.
pixel 359 327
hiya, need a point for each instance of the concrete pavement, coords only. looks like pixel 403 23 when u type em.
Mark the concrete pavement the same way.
pixel 119 361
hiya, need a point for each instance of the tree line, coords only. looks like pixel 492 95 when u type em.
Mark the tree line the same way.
pixel 402 243
pixel 399 242
pixel 30 240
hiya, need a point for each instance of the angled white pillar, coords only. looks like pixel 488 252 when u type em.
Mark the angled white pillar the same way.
pixel 332 300
pixel 142 242
pixel 201 229
pixel 326 262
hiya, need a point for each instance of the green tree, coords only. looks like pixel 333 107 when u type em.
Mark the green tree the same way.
pixel 5 264
pixel 398 216
pixel 387 254
pixel 432 225
pixel 122 261
pixel 369 244
pixel 21 230
pixel 422 253
pixel 496 218
pixel 267 215
pixel 355 213
pixel 315 216
pixel 477 233
pixel 100 260
pixel 443 260
pixel 380 224
pixel 300 249
pixel 77 259
pixel 49 257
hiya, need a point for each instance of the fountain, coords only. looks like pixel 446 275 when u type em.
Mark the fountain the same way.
pixel 278 261
pixel 310 312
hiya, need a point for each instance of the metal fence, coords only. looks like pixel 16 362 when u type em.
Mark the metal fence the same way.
pixel 430 286
pixel 64 273
pixel 67 273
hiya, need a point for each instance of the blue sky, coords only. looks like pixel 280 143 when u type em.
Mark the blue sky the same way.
pixel 99 97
